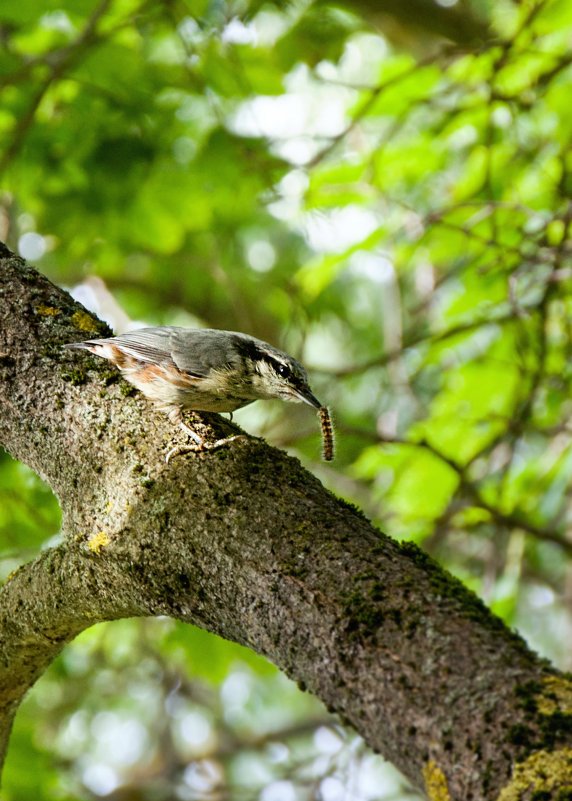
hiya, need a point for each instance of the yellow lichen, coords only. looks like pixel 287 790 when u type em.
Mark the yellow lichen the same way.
pixel 556 696
pixel 435 782
pixel 84 321
pixel 47 311
pixel 98 541
pixel 543 771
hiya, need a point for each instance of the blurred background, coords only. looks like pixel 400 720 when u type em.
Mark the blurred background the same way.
pixel 383 189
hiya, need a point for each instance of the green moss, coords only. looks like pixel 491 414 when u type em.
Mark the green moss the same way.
pixel 520 735
pixel 125 389
pixel 555 695
pixel 353 508
pixel 450 588
pixel 546 705
pixel 526 693
pixel 76 376
pixel 363 616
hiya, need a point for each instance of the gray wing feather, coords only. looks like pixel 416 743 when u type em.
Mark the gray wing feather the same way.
pixel 150 345
pixel 197 351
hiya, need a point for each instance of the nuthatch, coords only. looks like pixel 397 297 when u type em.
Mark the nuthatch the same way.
pixel 207 370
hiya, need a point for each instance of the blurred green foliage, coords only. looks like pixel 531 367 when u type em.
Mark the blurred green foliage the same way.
pixel 393 208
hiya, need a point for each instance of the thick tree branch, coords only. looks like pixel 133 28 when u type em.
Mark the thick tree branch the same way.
pixel 245 543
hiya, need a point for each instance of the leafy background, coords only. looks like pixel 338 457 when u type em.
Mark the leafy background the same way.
pixel 384 191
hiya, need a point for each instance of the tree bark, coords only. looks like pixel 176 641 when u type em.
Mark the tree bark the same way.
pixel 245 543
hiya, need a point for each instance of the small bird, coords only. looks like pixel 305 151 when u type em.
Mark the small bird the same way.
pixel 208 370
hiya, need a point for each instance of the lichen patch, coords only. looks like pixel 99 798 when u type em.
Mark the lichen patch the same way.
pixel 436 785
pixel 84 321
pixel 98 541
pixel 47 311
pixel 542 772
pixel 556 696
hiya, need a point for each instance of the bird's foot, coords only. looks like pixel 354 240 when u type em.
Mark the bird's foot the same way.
pixel 198 447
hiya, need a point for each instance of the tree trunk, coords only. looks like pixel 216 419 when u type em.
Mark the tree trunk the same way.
pixel 245 543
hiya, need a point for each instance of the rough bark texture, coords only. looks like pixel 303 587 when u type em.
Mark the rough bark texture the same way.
pixel 247 544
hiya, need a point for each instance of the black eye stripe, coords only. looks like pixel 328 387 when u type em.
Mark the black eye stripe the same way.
pixel 279 368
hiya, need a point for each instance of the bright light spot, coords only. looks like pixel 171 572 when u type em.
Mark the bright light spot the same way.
pixel 184 149
pixel 332 789
pixel 463 137
pixel 269 26
pixel 57 21
pixel 447 3
pixel 279 791
pixel 188 28
pixel 236 690
pixel 424 278
pixel 254 767
pixel 284 210
pixel 327 71
pixel 353 58
pixel 299 151
pixel 196 729
pixel 541 596
pixel 261 255
pixel 300 113
pixel 376 775
pixel 275 117
pixel 31 246
pixel 534 223
pixel 74 736
pixel 100 779
pixel 202 777
pixel 363 57
pixel 502 117
pixel 372 266
pixel 340 229
pixel 291 188
pixel 327 741
pixel 236 32
pixel 277 753
pixel 121 741
pixel 360 62
pixel 143 693
pixel 26 221
pixel 387 424
pixel 294 183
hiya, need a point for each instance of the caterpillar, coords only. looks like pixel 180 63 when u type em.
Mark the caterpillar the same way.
pixel 327 434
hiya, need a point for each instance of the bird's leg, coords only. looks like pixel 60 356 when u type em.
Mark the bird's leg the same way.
pixel 175 415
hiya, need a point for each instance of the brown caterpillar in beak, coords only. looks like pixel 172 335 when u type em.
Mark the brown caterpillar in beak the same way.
pixel 327 434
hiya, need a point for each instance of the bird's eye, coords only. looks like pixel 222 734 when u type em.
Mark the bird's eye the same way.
pixel 283 371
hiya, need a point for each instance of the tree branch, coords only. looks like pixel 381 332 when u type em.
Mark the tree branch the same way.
pixel 245 543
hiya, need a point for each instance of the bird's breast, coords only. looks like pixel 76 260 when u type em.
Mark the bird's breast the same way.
pixel 167 385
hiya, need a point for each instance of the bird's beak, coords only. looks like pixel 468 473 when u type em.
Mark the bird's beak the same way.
pixel 306 396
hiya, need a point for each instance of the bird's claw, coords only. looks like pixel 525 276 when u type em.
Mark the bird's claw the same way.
pixel 178 450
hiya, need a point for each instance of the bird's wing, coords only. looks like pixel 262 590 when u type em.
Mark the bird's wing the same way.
pixel 197 351
pixel 150 345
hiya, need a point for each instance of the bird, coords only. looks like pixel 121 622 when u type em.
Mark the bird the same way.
pixel 208 370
